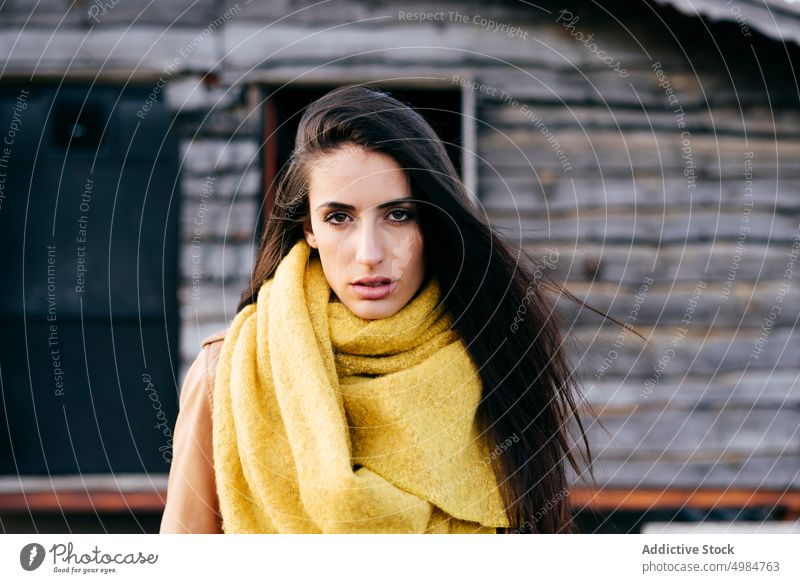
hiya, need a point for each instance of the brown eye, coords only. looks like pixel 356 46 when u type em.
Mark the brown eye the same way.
pixel 405 215
pixel 336 214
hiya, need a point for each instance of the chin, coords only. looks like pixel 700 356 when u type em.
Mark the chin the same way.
pixel 370 310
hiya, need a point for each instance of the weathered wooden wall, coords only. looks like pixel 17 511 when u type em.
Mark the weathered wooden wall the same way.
pixel 617 205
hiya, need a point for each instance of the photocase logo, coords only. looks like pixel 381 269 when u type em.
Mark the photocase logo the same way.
pixel 31 556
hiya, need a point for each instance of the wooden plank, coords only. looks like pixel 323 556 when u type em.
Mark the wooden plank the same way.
pixel 525 147
pixel 248 43
pixel 707 351
pixel 70 49
pixel 225 185
pixel 670 434
pixel 203 155
pixel 57 14
pixel 547 86
pixel 765 472
pixel 667 304
pixel 788 525
pixel 654 499
pixel 240 121
pixel 754 119
pixel 45 13
pixel 522 14
pixel 231 263
pixel 628 266
pixel 269 159
pixel 581 499
pixel 82 482
pixel 211 220
pixel 764 389
pixel 645 227
pixel 701 87
pixel 527 191
pixel 84 502
pixel 84 493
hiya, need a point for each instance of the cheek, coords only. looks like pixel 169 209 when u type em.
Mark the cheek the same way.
pixel 413 256
pixel 335 263
pixel 329 243
pixel 418 246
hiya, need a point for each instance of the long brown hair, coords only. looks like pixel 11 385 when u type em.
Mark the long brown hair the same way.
pixel 502 300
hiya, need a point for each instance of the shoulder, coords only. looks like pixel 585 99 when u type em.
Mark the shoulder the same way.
pixel 211 346
pixel 200 377
pixel 215 338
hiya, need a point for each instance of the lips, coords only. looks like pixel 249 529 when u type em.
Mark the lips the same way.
pixel 373 288
pixel 373 281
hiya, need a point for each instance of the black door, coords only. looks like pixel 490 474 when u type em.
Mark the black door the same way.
pixel 88 280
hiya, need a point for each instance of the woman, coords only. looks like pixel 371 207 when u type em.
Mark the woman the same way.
pixel 393 367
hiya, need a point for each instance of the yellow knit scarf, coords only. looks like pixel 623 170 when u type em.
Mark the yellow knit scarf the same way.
pixel 326 422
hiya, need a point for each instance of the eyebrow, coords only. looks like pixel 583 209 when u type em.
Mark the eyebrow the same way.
pixel 349 207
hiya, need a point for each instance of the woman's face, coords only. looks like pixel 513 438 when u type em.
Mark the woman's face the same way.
pixel 363 229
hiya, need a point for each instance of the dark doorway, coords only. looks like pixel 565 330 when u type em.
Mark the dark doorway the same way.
pixel 88 302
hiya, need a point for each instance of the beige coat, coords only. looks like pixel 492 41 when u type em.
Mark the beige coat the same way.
pixel 192 505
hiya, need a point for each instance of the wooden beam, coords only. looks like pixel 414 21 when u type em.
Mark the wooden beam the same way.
pixel 269 157
pixel 84 493
pixel 653 499
pixel 582 499
pixel 83 502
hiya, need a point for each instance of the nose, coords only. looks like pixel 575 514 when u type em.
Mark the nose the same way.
pixel 369 250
